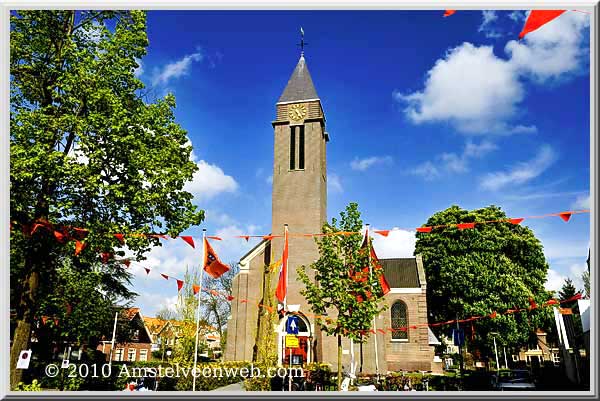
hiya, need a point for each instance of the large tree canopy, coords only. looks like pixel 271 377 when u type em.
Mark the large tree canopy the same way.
pixel 490 268
pixel 86 149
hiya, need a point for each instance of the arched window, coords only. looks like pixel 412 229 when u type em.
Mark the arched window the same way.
pixel 399 321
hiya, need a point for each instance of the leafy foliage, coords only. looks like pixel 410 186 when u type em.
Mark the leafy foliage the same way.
pixel 490 268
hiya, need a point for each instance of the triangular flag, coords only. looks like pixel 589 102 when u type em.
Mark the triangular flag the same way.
pixel 246 237
pixel 385 287
pixel 212 265
pixel 493 315
pixel 230 298
pixel 215 238
pixel 268 237
pixel 384 233
pixel 424 229
pixel 565 216
pixel 538 18
pixel 44 320
pixel 449 13
pixel 120 237
pixel 281 291
pixel 127 262
pixel 516 221
pixel 179 285
pixel 463 226
pixel 532 304
pixel 165 276
pixel 79 246
pixel 147 270
pixel 189 240
pixel 56 321
pixel 105 257
pixel 552 302
pixel 196 288
pixel 60 237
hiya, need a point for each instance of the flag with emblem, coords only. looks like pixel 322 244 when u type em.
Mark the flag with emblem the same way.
pixel 212 265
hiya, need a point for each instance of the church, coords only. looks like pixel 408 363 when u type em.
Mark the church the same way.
pixel 299 199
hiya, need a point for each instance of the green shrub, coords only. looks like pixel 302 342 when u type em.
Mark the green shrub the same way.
pixel 219 379
pixel 34 386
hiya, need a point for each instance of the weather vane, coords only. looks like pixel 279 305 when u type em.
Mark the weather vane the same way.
pixel 302 44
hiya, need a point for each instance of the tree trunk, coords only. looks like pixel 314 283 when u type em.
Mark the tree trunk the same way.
pixel 339 376
pixel 24 321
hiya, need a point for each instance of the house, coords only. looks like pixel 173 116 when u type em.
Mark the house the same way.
pixel 133 342
pixel 299 200
pixel 539 353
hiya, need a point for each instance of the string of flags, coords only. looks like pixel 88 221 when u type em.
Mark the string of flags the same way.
pixel 535 20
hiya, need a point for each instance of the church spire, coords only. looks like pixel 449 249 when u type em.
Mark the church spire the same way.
pixel 300 86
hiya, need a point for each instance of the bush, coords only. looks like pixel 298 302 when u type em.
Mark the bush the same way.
pixel 34 386
pixel 219 376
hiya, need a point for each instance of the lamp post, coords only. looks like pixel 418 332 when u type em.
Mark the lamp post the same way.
pixel 496 350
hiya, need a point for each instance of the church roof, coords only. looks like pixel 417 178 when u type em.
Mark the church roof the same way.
pixel 401 272
pixel 300 86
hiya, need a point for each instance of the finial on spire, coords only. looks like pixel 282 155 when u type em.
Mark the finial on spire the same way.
pixel 302 44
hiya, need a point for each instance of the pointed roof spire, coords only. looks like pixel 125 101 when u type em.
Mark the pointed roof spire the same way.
pixel 300 86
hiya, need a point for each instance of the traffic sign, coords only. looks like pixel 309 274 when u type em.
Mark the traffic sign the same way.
pixel 292 325
pixel 292 342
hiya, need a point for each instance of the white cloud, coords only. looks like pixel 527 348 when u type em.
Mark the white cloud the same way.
pixel 518 16
pixel 520 173
pixel 554 280
pixel 489 16
pixel 470 87
pixel 140 68
pixel 479 93
pixel 553 50
pixel 582 202
pixel 334 184
pixel 209 181
pixel 452 162
pixel 176 69
pixel 231 249
pixel 426 170
pixel 398 244
pixel 363 164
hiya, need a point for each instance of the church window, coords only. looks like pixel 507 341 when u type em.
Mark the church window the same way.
pixel 399 321
pixel 292 148
pixel 301 148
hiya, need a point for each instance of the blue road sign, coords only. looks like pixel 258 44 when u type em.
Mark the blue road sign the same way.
pixel 292 325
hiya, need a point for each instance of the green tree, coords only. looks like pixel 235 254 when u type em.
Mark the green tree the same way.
pixel 331 284
pixel 586 283
pixel 86 150
pixel 490 268
pixel 567 291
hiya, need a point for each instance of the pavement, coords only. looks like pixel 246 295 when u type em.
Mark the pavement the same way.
pixel 232 387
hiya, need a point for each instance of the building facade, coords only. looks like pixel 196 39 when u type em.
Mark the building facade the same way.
pixel 299 199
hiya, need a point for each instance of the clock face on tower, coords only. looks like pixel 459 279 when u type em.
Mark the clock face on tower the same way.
pixel 297 112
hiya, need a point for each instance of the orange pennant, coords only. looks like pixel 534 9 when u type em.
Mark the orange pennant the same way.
pixel 384 233
pixel 424 229
pixel 565 216
pixel 196 288
pixel 120 237
pixel 179 285
pixel 449 13
pixel 537 19
pixel 147 270
pixel 464 226
pixel 79 246
pixel 493 315
pixel 165 276
pixel 60 237
pixel 268 237
pixel 44 320
pixel 127 262
pixel 189 240
pixel 213 237
pixel 105 257
pixel 230 298
pixel 516 221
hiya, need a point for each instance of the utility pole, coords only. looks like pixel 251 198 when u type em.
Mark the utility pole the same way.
pixel 112 346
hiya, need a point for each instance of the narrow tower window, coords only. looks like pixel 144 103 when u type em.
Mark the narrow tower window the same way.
pixel 292 148
pixel 301 148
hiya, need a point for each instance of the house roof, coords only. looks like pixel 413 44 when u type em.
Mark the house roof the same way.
pixel 401 272
pixel 131 312
pixel 300 86
pixel 154 324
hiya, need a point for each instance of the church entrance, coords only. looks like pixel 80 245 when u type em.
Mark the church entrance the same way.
pixel 294 349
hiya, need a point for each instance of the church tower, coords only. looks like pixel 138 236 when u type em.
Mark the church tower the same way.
pixel 299 172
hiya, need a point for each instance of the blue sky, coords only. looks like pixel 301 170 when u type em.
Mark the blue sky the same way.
pixel 424 112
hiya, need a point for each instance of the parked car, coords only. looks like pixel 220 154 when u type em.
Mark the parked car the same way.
pixel 513 380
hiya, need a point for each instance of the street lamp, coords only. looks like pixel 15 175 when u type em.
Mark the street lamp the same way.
pixel 496 350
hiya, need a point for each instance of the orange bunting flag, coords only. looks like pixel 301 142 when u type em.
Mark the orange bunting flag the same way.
pixel 127 262
pixel 215 238
pixel 44 320
pixel 565 216
pixel 81 232
pixel 189 240
pixel 281 291
pixel 35 227
pixel 424 229
pixel 55 321
pixel 179 285
pixel 448 13
pixel 212 265
pixel 79 246
pixel 268 237
pixel 120 237
pixel 230 298
pixel 464 226
pixel 385 287
pixel 246 237
pixel 532 304
pixel 164 276
pixel 60 237
pixel 552 302
pixel 105 257
pixel 384 233
pixel 493 315
pixel 537 19
pixel 147 270
pixel 196 288
pixel 515 221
